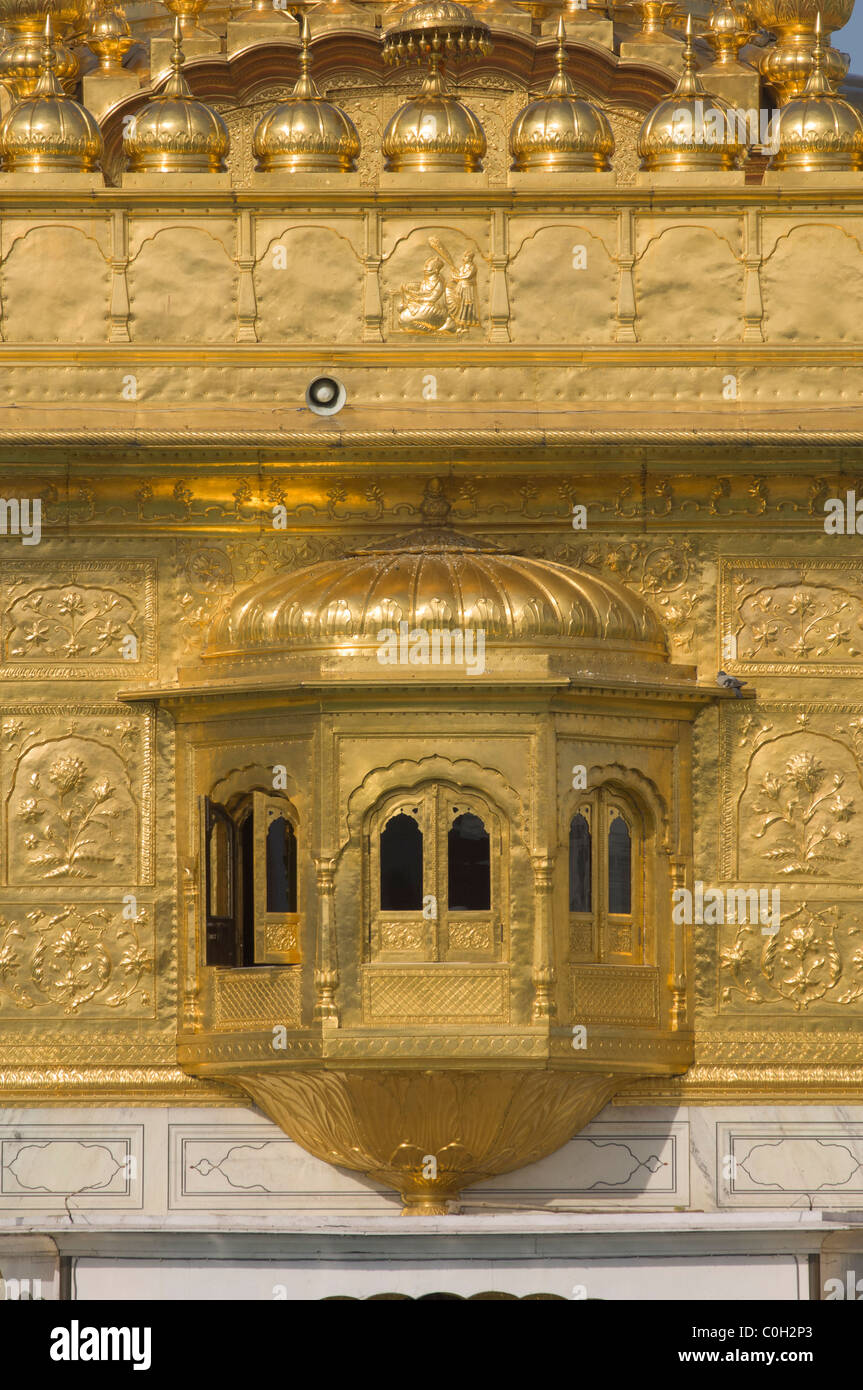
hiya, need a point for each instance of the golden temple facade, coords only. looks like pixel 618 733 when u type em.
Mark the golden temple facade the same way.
pixel 430 441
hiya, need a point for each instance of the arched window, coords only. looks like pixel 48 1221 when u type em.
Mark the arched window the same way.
pixel 433 885
pixel 252 883
pixel 401 865
pixel 606 867
pixel 468 865
pixel 619 868
pixel 580 886
pixel 281 866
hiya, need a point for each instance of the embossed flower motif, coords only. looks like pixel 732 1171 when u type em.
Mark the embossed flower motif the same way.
pixel 841 809
pixel 70 604
pixel 109 631
pixel 37 634
pixel 12 727
pixel 8 961
pixel 67 774
pixel 29 810
pixel 801 604
pixel 31 841
pixel 804 772
pixel 765 633
pixel 134 961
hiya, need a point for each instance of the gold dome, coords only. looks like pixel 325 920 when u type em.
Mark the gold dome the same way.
pixel 433 578
pixel 690 130
pixel 819 130
pixel 433 131
pixel 729 29
pixel 175 133
pixel 48 130
pixel 110 37
pixel 561 131
pixel 306 133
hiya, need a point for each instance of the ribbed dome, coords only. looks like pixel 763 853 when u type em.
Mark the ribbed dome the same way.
pixel 175 133
pixel 819 130
pixel 306 133
pixel 690 131
pixel 433 131
pixel 48 130
pixel 560 131
pixel 433 578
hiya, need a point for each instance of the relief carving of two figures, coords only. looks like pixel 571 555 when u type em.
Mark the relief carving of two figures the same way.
pixel 431 305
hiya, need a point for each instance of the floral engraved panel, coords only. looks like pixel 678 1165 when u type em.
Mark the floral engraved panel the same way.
pixel 77 806
pixel 815 959
pixel 791 790
pixel 791 619
pixel 88 620
pixel 669 576
pixel 80 959
pixel 402 936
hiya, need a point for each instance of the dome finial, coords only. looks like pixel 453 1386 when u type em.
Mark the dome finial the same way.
pixel 305 87
pixel 818 83
pixel 176 85
pixel 689 84
pixel 48 85
pixel 561 83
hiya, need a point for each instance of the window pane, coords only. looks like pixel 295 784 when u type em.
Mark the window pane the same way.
pixel 247 889
pixel 401 865
pixel 281 866
pixel 221 893
pixel 579 865
pixel 469 865
pixel 619 868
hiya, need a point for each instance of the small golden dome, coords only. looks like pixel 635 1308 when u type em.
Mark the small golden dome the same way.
pixel 561 131
pixel 729 29
pixel 819 130
pixel 433 131
pixel 305 132
pixel 690 130
pixel 48 130
pixel 175 133
pixel 110 37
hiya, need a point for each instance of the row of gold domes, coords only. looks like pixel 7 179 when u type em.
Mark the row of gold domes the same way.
pixel 433 131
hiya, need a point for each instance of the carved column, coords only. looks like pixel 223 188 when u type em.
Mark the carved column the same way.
pixel 373 308
pixel 753 304
pixel 327 964
pixel 119 308
pixel 247 303
pixel 189 891
pixel 544 1006
pixel 677 973
pixel 626 282
pixel 498 301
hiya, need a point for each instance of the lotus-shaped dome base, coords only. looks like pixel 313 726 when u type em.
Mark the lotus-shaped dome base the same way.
pixel 429 1134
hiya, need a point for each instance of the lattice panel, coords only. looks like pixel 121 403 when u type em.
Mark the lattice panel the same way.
pixel 251 1001
pixel 615 994
pixel 437 994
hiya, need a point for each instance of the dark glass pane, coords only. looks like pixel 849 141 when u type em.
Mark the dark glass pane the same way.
pixel 281 866
pixel 401 865
pixel 469 865
pixel 219 891
pixel 579 865
pixel 247 889
pixel 619 868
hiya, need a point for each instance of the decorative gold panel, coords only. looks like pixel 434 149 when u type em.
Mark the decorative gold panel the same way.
pixel 615 994
pixel 795 619
pixel 257 998
pixel 72 619
pixel 790 783
pixel 77 789
pixel 436 994
pixel 81 960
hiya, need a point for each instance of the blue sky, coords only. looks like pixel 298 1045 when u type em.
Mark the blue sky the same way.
pixel 850 40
